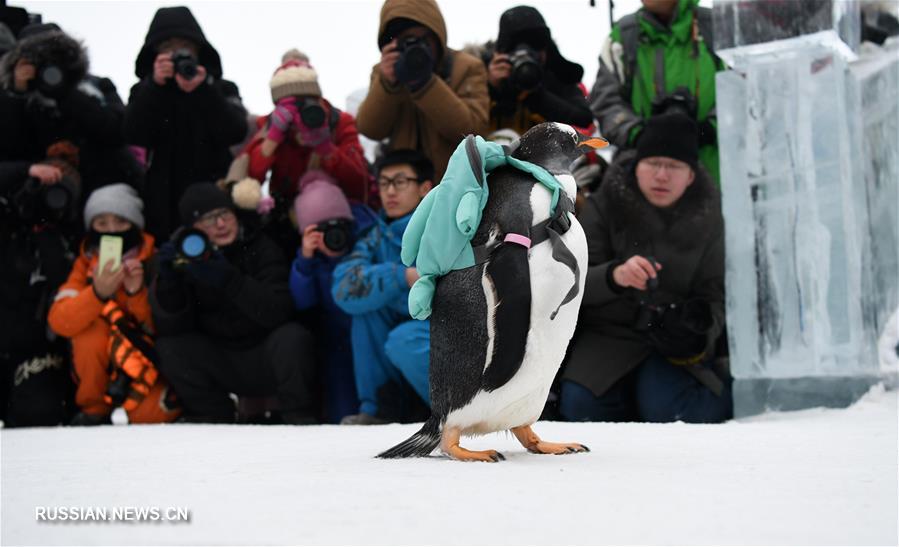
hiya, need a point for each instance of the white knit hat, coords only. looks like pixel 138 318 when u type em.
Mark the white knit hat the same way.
pixel 118 199
pixel 294 77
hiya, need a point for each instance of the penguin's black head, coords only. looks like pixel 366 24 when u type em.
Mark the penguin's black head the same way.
pixel 554 146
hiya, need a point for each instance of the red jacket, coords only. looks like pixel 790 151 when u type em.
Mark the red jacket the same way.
pixel 290 161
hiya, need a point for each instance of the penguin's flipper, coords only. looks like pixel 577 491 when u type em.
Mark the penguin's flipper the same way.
pixel 510 275
pixel 536 445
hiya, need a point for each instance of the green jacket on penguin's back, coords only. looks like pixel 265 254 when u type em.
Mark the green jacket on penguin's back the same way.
pixel 645 60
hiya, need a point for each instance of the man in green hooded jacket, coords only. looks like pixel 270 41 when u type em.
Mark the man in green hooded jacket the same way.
pixel 657 60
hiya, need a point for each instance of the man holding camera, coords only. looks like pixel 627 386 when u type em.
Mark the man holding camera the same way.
pixel 423 96
pixel 223 312
pixel 182 112
pixel 659 59
pixel 530 82
pixel 654 298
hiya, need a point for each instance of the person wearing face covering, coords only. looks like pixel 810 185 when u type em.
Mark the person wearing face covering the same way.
pixel 105 312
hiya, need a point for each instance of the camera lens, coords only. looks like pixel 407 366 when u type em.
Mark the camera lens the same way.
pixel 312 114
pixel 185 64
pixel 56 197
pixel 51 76
pixel 193 245
pixel 336 239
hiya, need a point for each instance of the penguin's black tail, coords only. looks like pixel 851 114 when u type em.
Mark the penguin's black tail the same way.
pixel 419 445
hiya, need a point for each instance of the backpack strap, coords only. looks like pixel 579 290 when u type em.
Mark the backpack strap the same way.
pixel 629 27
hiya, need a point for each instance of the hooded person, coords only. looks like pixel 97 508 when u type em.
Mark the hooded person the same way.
pixel 529 80
pixel 182 112
pixel 49 96
pixel 423 95
pixel 329 226
pixel 103 308
pixel 224 316
pixel 304 132
pixel 653 303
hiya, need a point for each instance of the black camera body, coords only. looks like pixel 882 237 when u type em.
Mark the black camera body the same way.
pixel 191 245
pixel 649 314
pixel 527 72
pixel 312 114
pixel 185 63
pixel 37 202
pixel 680 100
pixel 416 61
pixel 338 234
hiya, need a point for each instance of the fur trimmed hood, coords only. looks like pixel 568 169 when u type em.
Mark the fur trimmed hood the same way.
pixel 698 210
pixel 47 48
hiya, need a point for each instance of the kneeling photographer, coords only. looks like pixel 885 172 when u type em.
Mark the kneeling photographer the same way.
pixel 222 310
pixel 654 298
pixel 529 80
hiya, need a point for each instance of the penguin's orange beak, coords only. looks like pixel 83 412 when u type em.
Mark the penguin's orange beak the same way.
pixel 595 142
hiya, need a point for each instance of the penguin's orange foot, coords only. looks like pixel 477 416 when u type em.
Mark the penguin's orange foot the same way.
pixel 534 444
pixel 489 456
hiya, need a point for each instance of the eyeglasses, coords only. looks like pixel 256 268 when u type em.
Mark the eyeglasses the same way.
pixel 675 168
pixel 209 219
pixel 399 182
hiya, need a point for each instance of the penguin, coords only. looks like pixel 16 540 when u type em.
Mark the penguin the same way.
pixel 500 329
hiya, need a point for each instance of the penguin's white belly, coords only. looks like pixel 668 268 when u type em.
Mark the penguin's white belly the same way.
pixel 521 400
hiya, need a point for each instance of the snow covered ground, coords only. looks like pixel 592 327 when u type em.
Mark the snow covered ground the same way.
pixel 811 477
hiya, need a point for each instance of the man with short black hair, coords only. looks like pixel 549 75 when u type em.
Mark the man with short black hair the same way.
pixel 372 285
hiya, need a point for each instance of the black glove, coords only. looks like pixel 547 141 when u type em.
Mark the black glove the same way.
pixel 682 331
pixel 165 258
pixel 216 271
pixel 708 135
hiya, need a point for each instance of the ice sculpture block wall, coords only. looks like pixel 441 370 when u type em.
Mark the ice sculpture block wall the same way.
pixel 800 259
pixel 745 22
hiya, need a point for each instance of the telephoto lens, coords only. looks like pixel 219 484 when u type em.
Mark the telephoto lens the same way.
pixel 191 245
pixel 526 70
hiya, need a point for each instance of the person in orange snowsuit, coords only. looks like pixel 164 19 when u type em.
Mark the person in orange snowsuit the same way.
pixel 106 314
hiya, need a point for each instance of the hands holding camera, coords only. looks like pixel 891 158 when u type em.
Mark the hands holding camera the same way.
pixel 313 240
pixel 408 61
pixel 164 69
pixel 315 134
pixel 635 272
pixel 47 174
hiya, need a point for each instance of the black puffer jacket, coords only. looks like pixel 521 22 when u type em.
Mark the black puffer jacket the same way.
pixel 687 240
pixel 84 109
pixel 253 303
pixel 187 135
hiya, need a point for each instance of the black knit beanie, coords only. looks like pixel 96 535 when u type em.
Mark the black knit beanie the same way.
pixel 199 199
pixel 671 135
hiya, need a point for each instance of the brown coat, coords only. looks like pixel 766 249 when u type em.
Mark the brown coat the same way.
pixel 688 241
pixel 436 117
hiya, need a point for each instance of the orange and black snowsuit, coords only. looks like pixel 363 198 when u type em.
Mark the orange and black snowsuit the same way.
pixel 80 315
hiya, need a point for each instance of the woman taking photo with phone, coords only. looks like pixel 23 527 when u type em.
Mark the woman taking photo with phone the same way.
pixel 103 309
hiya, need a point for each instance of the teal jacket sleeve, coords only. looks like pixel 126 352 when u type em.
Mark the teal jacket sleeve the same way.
pixel 361 285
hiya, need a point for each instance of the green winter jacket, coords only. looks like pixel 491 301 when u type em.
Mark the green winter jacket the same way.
pixel 667 58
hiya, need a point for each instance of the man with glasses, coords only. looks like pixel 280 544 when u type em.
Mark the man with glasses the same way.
pixel 223 317
pixel 654 298
pixel 390 349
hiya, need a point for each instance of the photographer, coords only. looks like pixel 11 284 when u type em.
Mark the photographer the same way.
pixel 329 226
pixel 47 96
pixel 656 60
pixel 529 80
pixel 654 297
pixel 222 311
pixel 304 132
pixel 182 112
pixel 422 96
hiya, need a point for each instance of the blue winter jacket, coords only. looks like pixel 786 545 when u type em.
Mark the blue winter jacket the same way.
pixel 372 276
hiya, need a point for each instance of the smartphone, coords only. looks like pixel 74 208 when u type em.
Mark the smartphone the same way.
pixel 110 249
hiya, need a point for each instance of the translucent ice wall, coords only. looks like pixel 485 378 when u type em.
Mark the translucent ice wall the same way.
pixel 808 172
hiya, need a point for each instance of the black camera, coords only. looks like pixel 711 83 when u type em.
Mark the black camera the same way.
pixel 118 389
pixel 527 73
pixel 679 100
pixel 185 63
pixel 649 313
pixel 50 79
pixel 46 202
pixel 312 114
pixel 415 62
pixel 338 234
pixel 191 245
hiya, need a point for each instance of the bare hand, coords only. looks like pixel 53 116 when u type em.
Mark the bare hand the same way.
pixel 163 68
pixel 635 272
pixel 312 240
pixel 498 70
pixel 411 276
pixel 22 74
pixel 268 147
pixel 107 280
pixel 188 86
pixel 47 174
pixel 134 275
pixel 389 56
